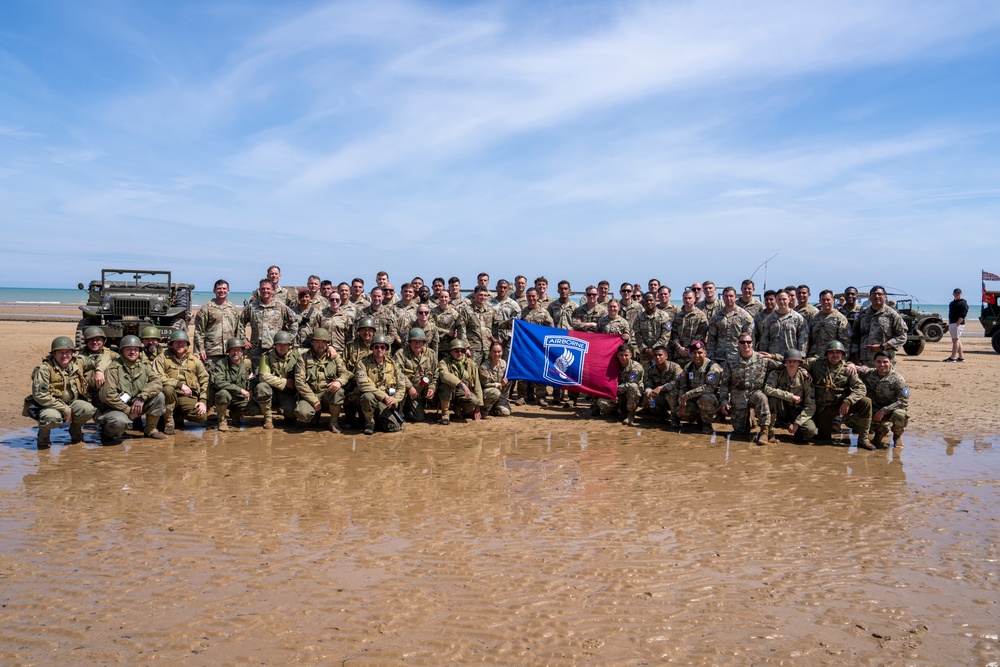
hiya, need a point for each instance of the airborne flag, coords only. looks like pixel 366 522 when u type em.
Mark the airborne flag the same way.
pixel 572 360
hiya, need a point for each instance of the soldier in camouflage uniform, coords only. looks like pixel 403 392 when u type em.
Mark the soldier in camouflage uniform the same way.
pixel 420 365
pixel 663 304
pixel 652 328
pixel 476 325
pixel 660 382
pixel 743 387
pixel 276 372
pixel 381 315
pixel 689 325
pixel 542 286
pixel 507 311
pixel 338 322
pixel 614 323
pixel 381 385
pixel 445 319
pixel 879 329
pixel 59 392
pixel 308 314
pixel 791 399
pixel 630 389
pixel 784 329
pixel 701 384
pixel 804 308
pixel 282 295
pixel 320 377
pixel 746 300
pixel 520 294
pixel 185 382
pixel 266 317
pixel 630 305
pixel 585 317
pixel 231 381
pixel 725 329
pixel 561 309
pixel 851 308
pixel 710 305
pixel 130 390
pixel 827 326
pixel 458 302
pixel 458 383
pixel 493 380
pixel 358 300
pixel 890 397
pixel 839 391
pixel 216 322
pixel 405 313
pixel 535 314
pixel 770 305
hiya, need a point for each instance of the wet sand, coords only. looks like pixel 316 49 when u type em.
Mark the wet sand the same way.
pixel 547 538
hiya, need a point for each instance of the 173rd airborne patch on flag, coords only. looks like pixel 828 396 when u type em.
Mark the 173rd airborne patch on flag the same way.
pixel 572 360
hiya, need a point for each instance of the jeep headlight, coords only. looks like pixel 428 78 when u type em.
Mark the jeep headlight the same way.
pixel 106 303
pixel 158 305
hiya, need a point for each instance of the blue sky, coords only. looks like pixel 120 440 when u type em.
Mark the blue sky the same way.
pixel 581 140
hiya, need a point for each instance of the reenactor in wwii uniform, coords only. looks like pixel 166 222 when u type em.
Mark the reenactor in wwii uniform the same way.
pixel 185 382
pixel 689 325
pixel 276 375
pixel 266 317
pixel 216 322
pixel 725 329
pixel 630 385
pixel 320 376
pixel 651 329
pixel 746 300
pixel 59 392
pixel 743 388
pixel 420 366
pixel 805 309
pixel 381 385
pixel 130 390
pixel 791 399
pixel 700 385
pixel 475 325
pixel 361 346
pixel 339 323
pixel 839 391
pixel 458 384
pixel 100 358
pixel 232 383
pixel 890 396
pixel 660 382
pixel 152 346
pixel 879 329
pixel 493 380
pixel 784 329
pixel 827 326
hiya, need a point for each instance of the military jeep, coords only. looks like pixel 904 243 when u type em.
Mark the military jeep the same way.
pixel 124 301
pixel 931 325
pixel 989 317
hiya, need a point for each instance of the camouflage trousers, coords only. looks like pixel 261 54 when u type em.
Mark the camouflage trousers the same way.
pixel 629 395
pixel 751 400
pixel 115 422
pixel 495 401
pixel 705 407
pixel 895 420
pixel 664 406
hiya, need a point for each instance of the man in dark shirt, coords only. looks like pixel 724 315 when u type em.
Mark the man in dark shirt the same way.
pixel 958 309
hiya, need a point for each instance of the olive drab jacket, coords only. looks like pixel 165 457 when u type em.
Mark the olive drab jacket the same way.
pixel 53 386
pixel 314 373
pixel 833 385
pixel 138 381
pixel 377 379
pixel 275 370
pixel 176 371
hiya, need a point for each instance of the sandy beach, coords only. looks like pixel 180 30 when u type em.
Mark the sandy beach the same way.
pixel 545 538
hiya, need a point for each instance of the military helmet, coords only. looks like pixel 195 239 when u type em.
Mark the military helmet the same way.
pixel 380 339
pixel 180 335
pixel 836 345
pixel 416 333
pixel 793 355
pixel 150 332
pixel 319 334
pixel 129 341
pixel 62 343
pixel 458 344
pixel 284 338
pixel 93 332
pixel 233 342
pixel 366 323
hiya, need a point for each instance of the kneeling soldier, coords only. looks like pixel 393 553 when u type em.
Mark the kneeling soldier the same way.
pixel 276 373
pixel 660 384
pixel 59 392
pixel 320 376
pixel 700 384
pixel 890 396
pixel 791 398
pixel 130 390
pixel 458 382
pixel 231 385
pixel 185 382
pixel 493 380
pixel 743 387
pixel 380 382
pixel 840 391
pixel 419 364
pixel 630 382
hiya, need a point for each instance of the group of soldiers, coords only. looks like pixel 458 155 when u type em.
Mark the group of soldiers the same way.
pixel 376 359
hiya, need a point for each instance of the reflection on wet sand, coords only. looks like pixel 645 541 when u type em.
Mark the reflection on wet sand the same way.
pixel 530 547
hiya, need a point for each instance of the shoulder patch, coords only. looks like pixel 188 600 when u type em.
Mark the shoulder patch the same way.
pixel 711 377
pixel 360 375
pixel 906 392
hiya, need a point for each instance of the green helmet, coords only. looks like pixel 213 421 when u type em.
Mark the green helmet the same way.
pixel 129 341
pixel 284 338
pixel 319 334
pixel 233 342
pixel 366 323
pixel 380 339
pixel 93 332
pixel 62 343
pixel 416 333
pixel 795 355
pixel 180 335
pixel 150 332
pixel 458 344
pixel 836 345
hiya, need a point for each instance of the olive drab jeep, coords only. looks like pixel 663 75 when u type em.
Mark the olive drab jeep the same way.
pixel 124 301
pixel 989 317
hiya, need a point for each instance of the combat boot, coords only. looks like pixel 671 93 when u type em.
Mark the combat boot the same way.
pixel 265 409
pixel 43 439
pixel 369 428
pixel 630 419
pixel 445 412
pixel 765 436
pixel 236 417
pixel 897 440
pixel 334 418
pixel 223 411
pixel 866 444
pixel 168 419
pixel 881 430
pixel 149 431
pixel 75 433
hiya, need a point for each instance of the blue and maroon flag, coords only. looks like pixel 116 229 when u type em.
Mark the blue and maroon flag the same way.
pixel 573 360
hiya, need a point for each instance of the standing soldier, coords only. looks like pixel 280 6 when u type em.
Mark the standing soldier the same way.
pixel 700 384
pixel 280 294
pixel 746 300
pixel 59 392
pixel 381 316
pixel 561 309
pixel 851 308
pixel 630 383
pixel 216 322
pixel 827 326
pixel 276 373
pixel 493 380
pixel 266 317
pixel 805 309
pixel 507 311
pixel 445 319
pixel 689 325
pixel 420 365
pixel 660 380
pixel 185 382
pixel 791 399
pixel 725 329
pixel 308 315
pixel 710 305
pixel 475 325
pixel 784 329
pixel 663 304
pixel 630 305
pixel 381 385
pixel 879 329
pixel 743 388
pixel 585 317
pixel 652 328
pixel 338 322
pixel 839 391
pixel 320 376
pixel 614 323
pixel 231 386
pixel 890 396
pixel 458 383
pixel 770 305
pixel 520 292
pixel 130 390
pixel 535 314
